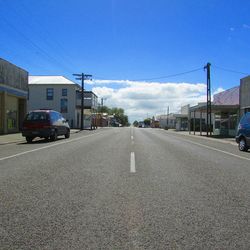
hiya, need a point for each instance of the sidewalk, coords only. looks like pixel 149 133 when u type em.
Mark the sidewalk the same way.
pixel 230 140
pixel 17 137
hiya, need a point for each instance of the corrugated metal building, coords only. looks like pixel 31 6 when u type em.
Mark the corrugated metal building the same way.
pixel 244 95
pixel 225 114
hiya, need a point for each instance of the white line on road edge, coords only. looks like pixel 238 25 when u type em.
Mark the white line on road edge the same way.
pixel 218 150
pixel 132 137
pixel 49 146
pixel 132 162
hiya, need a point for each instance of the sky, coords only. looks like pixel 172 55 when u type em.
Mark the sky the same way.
pixel 144 55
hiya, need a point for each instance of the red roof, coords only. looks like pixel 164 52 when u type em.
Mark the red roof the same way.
pixel 227 97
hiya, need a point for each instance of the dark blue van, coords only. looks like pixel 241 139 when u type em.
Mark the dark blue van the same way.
pixel 243 132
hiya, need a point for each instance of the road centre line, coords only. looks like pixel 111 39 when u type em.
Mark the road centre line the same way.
pixel 132 163
pixel 218 150
pixel 49 146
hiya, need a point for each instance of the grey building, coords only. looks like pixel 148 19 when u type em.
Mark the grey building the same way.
pixel 63 95
pixel 13 96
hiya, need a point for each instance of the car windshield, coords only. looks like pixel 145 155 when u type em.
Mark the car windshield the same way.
pixel 37 116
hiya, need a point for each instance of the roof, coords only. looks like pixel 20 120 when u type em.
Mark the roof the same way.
pixel 180 115
pixel 227 97
pixel 214 108
pixel 244 78
pixel 13 65
pixel 50 80
pixel 88 93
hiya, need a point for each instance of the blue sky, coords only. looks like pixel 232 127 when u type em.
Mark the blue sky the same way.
pixel 123 40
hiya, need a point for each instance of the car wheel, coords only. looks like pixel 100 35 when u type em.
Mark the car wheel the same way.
pixel 67 135
pixel 54 136
pixel 29 139
pixel 242 145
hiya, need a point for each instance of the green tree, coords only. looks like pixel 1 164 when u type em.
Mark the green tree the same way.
pixel 120 116
pixel 135 123
pixel 117 112
pixel 147 122
pixel 104 109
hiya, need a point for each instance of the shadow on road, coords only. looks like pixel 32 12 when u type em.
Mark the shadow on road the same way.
pixel 39 141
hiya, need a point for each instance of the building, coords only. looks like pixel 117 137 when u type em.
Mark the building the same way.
pixel 244 95
pixel 13 96
pixel 155 123
pixel 225 114
pixel 181 122
pixel 63 95
pixel 167 121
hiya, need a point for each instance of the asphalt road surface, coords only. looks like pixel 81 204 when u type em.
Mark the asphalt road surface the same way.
pixel 124 188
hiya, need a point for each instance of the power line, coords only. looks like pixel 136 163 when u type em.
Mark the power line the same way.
pixel 230 70
pixel 168 76
pixel 159 77
pixel 36 46
pixel 49 41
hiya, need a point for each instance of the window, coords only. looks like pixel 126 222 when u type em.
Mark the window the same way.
pixel 64 92
pixel 233 118
pixel 64 105
pixel 50 93
pixel 37 116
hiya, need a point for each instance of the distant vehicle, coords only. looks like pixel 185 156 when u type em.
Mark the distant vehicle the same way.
pixel 243 132
pixel 46 124
pixel 141 125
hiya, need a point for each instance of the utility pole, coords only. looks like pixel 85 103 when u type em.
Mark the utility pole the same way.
pixel 209 104
pixel 167 115
pixel 82 77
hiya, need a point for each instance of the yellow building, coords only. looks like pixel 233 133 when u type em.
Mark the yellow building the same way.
pixel 13 96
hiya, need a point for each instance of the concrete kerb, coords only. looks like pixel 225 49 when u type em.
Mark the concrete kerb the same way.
pixel 222 140
pixel 17 137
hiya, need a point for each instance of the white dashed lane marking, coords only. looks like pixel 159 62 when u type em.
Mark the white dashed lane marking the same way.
pixel 132 163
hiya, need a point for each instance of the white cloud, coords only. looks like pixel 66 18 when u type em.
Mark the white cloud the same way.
pixel 246 26
pixel 142 99
pixel 107 82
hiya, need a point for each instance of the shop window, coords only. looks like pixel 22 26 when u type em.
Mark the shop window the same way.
pixel 217 124
pixel 233 120
pixel 11 119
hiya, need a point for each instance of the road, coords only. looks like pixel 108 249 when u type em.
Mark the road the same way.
pixel 124 188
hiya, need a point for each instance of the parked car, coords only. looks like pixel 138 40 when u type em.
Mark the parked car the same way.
pixel 243 132
pixel 46 124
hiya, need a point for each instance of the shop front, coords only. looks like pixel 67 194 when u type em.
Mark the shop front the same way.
pixel 224 119
pixel 225 123
pixel 13 96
